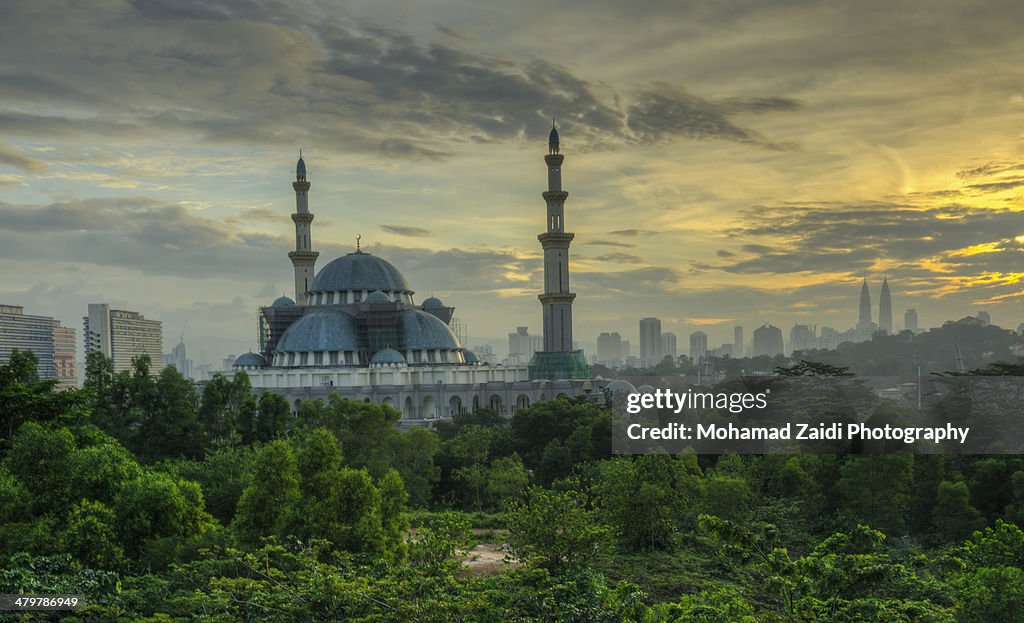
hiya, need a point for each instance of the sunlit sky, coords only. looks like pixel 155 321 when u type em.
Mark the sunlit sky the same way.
pixel 728 163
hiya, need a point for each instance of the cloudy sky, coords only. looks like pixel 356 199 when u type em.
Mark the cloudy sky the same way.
pixel 731 162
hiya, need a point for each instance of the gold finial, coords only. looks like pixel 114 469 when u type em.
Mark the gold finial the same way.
pixel 358 238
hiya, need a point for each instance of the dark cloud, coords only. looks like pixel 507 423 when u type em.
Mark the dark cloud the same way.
pixel 608 243
pixel 658 278
pixel 664 112
pixel 239 72
pixel 632 232
pixel 724 253
pixel 853 239
pixel 998 186
pixel 621 258
pixel 405 230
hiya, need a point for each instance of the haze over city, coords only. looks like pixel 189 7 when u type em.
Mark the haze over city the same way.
pixel 727 163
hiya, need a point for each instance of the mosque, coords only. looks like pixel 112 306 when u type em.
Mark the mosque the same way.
pixel 354 329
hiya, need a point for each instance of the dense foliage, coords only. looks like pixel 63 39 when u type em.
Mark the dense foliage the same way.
pixel 159 503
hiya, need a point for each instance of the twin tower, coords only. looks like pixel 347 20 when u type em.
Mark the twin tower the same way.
pixel 559 360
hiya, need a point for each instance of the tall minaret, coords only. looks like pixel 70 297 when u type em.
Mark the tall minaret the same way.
pixel 557 299
pixel 885 307
pixel 865 305
pixel 303 257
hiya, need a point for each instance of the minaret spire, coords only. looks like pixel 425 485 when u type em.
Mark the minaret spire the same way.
pixel 303 257
pixel 558 360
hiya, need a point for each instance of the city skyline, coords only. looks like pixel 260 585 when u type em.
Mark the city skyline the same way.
pixel 712 186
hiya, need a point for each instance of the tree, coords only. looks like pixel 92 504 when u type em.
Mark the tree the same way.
pixel 554 530
pixel 26 398
pixel 44 461
pixel 875 490
pixel 507 478
pixel 228 409
pixel 953 516
pixel 272 415
pixel 992 594
pixel 90 536
pixel 270 498
pixel 169 424
pixel 154 506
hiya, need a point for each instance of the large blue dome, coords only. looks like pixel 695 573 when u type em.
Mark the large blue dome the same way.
pixel 426 331
pixel 359 271
pixel 322 330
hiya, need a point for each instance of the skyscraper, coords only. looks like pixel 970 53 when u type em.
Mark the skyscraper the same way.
pixel 26 332
pixel 122 335
pixel 885 308
pixel 737 341
pixel 64 353
pixel 698 346
pixel 802 337
pixel 559 359
pixel 522 346
pixel 650 341
pixel 910 320
pixel 609 348
pixel 668 345
pixel 768 341
pixel 865 306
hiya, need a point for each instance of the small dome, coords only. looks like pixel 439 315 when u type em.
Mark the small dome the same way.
pixel 553 137
pixel 470 356
pixel 324 330
pixel 359 271
pixel 424 331
pixel 300 167
pixel 619 385
pixel 432 303
pixel 283 301
pixel 387 356
pixel 645 389
pixel 377 297
pixel 250 360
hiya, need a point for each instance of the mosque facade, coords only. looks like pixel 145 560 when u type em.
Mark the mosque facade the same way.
pixel 354 329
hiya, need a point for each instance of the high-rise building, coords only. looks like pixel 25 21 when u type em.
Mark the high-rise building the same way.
pixel 461 329
pixel 864 319
pixel 650 341
pixel 609 348
pixel 522 346
pixel 559 359
pixel 179 359
pixel 802 337
pixel 668 345
pixel 626 352
pixel 737 342
pixel 123 335
pixel 698 346
pixel 910 320
pixel 64 353
pixel 768 341
pixel 26 332
pixel 985 317
pixel 885 307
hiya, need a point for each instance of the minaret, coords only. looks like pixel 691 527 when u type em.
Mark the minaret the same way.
pixel 558 360
pixel 303 257
pixel 557 299
pixel 865 305
pixel 885 307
